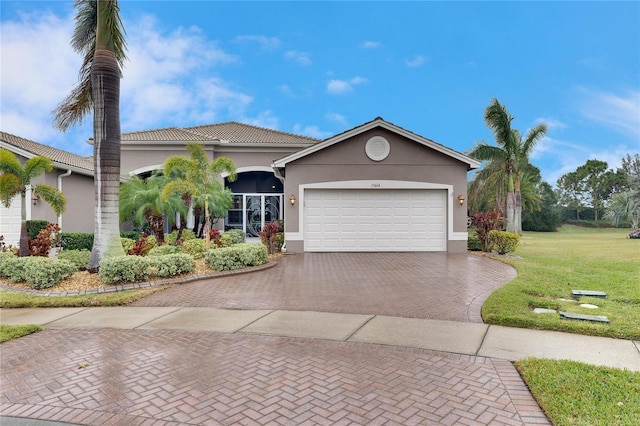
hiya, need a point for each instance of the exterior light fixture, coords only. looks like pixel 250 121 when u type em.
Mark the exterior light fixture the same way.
pixel 35 199
pixel 292 200
pixel 461 199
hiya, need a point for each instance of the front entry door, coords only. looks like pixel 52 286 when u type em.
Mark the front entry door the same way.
pixel 260 209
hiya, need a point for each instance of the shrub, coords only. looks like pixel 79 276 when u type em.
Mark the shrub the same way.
pixel 43 272
pixel 8 262
pixel 169 265
pixel 236 257
pixel 133 235
pixel 226 240
pixel 272 237
pixel 503 242
pixel 79 258
pixel 76 241
pixel 196 248
pixel 127 244
pixel 124 268
pixel 47 238
pixel 214 236
pixel 485 222
pixel 187 235
pixel 145 243
pixel 474 243
pixel 4 248
pixel 34 227
pixel 237 236
pixel 164 250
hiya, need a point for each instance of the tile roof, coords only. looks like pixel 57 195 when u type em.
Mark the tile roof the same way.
pixel 58 156
pixel 232 131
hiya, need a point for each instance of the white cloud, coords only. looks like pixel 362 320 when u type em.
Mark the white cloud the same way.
pixel 269 43
pixel 171 78
pixel 336 118
pixel 301 58
pixel 551 123
pixel 416 61
pixel 338 87
pixel 263 119
pixel 370 44
pixel 620 112
pixel 311 131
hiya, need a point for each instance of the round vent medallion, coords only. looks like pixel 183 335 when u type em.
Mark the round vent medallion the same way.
pixel 377 148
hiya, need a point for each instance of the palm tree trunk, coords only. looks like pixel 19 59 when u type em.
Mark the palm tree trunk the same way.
pixel 105 85
pixel 156 222
pixel 511 204
pixel 24 236
pixel 517 217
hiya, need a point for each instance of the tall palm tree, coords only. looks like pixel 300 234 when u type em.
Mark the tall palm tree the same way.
pixel 197 178
pixel 143 198
pixel 16 179
pixel 99 36
pixel 510 156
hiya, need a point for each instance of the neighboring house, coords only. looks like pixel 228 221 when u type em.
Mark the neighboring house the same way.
pixel 376 187
pixel 72 174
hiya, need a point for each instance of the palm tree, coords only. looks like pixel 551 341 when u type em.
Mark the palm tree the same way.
pixel 143 198
pixel 16 179
pixel 510 155
pixel 99 36
pixel 196 177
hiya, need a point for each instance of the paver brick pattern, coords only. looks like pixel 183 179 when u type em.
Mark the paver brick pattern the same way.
pixel 412 285
pixel 136 377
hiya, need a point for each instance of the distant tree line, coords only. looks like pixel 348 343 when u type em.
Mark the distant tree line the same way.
pixel 509 184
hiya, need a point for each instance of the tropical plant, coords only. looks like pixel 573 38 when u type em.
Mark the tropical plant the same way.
pixel 510 156
pixel 99 37
pixel 142 198
pixel 624 206
pixel 16 179
pixel 197 179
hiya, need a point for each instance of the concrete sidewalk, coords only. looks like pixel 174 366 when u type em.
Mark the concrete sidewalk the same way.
pixel 446 336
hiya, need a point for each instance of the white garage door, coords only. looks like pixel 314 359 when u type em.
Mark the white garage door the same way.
pixel 374 220
pixel 10 222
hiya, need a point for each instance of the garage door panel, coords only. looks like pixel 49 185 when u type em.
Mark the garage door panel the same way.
pixel 375 220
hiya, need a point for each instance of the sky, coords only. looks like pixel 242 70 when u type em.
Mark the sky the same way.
pixel 320 68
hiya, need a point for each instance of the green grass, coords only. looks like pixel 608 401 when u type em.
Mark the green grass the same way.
pixel 15 299
pixel 9 332
pixel 572 393
pixel 574 258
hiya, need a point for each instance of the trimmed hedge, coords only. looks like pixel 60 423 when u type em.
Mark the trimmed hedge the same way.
pixel 237 236
pixel 76 241
pixel 34 227
pixel 474 243
pixel 169 265
pixel 42 272
pixel 236 257
pixel 39 272
pixel 164 250
pixel 80 258
pixel 196 248
pixel 124 268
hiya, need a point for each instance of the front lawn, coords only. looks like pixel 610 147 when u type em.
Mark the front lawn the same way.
pixel 574 258
pixel 572 393
pixel 15 299
pixel 10 332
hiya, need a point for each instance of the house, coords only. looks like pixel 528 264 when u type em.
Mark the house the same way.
pixel 376 187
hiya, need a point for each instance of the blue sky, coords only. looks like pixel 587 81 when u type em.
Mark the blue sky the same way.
pixel 319 68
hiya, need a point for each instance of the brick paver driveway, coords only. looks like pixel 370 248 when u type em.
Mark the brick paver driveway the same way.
pixel 175 377
pixel 152 377
pixel 412 285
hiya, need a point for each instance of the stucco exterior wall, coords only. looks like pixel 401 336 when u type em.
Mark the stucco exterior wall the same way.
pixel 79 192
pixel 408 161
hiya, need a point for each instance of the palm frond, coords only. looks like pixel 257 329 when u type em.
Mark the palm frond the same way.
pixel 10 186
pixel 35 167
pixel 483 151
pixel 53 196
pixel 9 163
pixel 498 120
